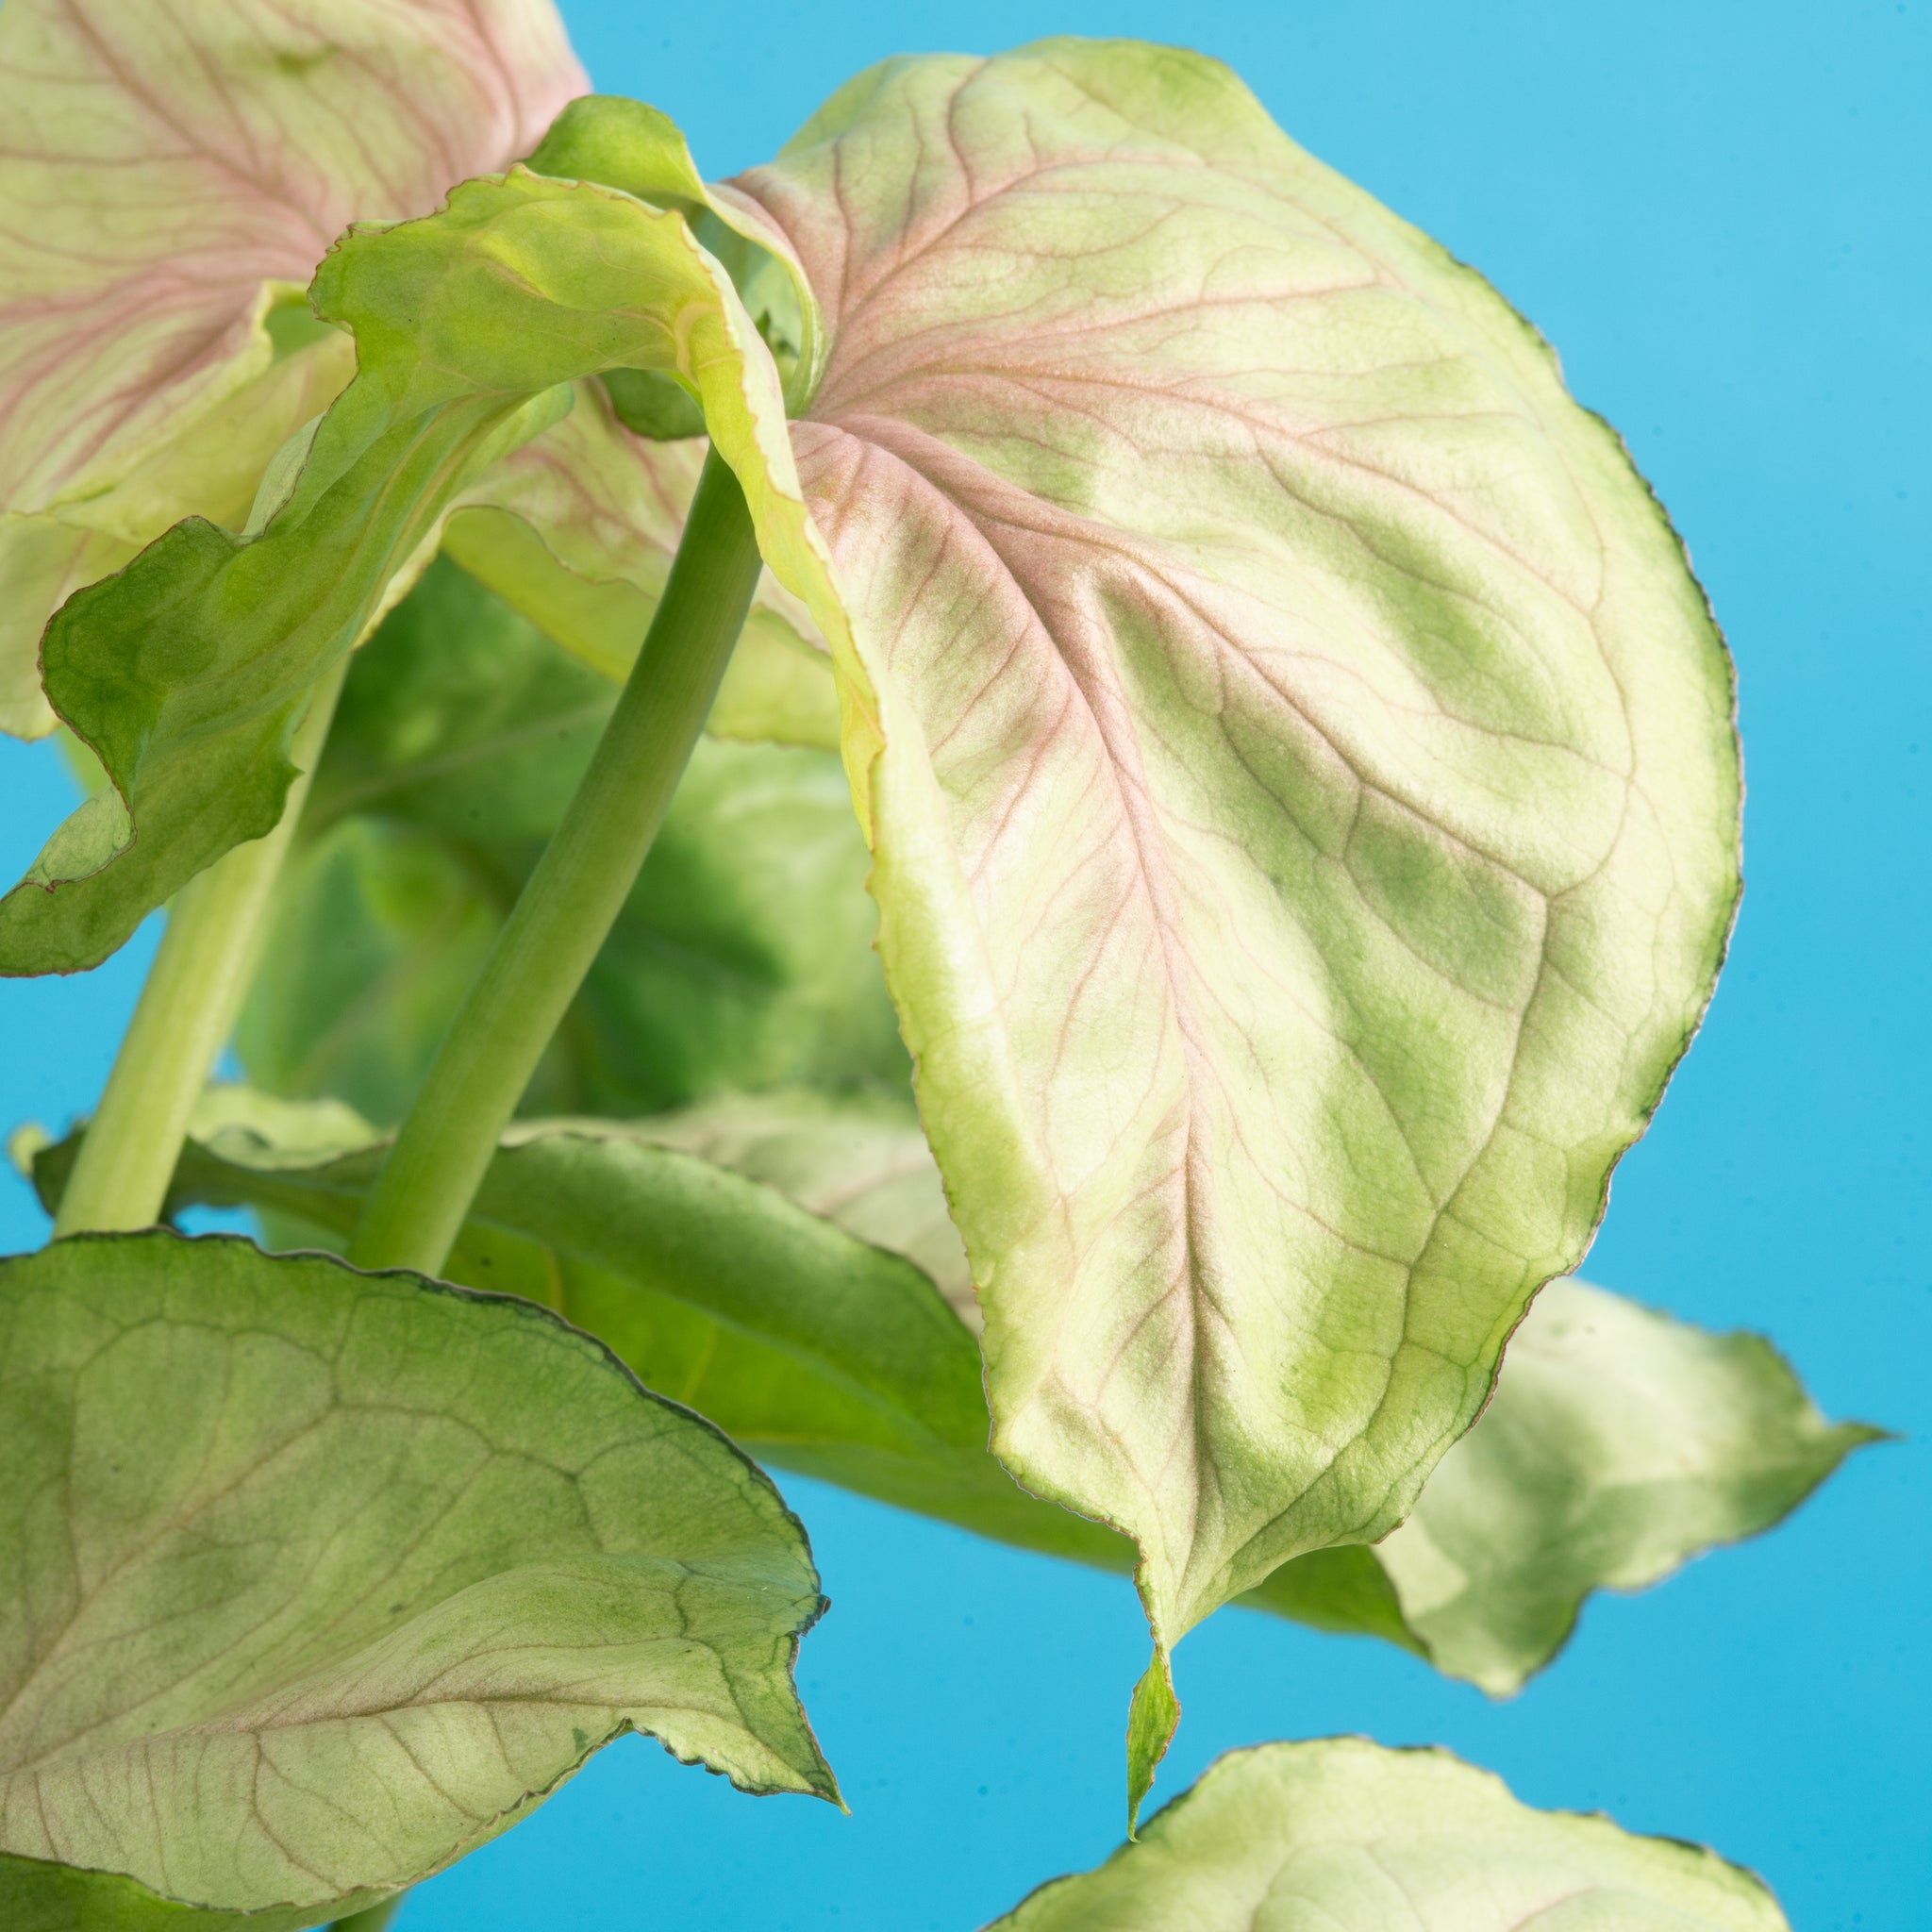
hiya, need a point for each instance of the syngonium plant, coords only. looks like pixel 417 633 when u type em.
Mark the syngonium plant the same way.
pixel 1292 767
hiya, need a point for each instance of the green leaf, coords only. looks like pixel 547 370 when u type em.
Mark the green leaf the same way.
pixel 858 1161
pixel 187 671
pixel 744 958
pixel 318 1579
pixel 626 145
pixel 1298 765
pixel 1152 1717
pixel 135 394
pixel 807 1344
pixel 1619 1443
pixel 1340 1832
pixel 653 406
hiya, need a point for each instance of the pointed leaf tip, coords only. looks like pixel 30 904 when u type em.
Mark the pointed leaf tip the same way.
pixel 1620 1443
pixel 1153 1717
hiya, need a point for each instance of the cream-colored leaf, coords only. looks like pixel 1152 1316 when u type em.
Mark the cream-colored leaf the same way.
pixel 1299 767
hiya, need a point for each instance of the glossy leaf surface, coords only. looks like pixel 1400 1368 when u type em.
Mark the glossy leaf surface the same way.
pixel 185 168
pixel 185 673
pixel 1299 769
pixel 317 1579
pixel 1339 1832
pixel 1619 1443
pixel 743 958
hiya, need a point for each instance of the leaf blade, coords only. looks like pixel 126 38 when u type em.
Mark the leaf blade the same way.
pixel 1619 1445
pixel 1337 720
pixel 332 1534
pixel 183 673
pixel 743 958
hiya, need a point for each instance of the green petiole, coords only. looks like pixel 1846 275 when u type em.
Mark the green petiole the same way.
pixel 574 896
pixel 186 1012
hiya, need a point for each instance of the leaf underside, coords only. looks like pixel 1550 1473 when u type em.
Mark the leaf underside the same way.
pixel 325 1577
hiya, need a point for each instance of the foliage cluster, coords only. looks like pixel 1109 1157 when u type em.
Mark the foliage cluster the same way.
pixel 1014 813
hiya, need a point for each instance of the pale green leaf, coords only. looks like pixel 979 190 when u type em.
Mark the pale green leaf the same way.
pixel 240 138
pixel 448 728
pixel 860 1162
pixel 1298 765
pixel 319 1579
pixel 1618 1444
pixel 743 958
pixel 187 673
pixel 1339 1832
pixel 378 932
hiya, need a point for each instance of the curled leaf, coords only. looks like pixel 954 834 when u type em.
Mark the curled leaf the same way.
pixel 317 1579
pixel 184 170
pixel 185 673
pixel 1340 1832
pixel 576 532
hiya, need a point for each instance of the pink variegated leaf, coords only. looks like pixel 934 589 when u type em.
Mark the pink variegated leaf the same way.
pixel 170 176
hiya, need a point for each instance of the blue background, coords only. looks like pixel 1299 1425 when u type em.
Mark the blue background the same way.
pixel 1718 214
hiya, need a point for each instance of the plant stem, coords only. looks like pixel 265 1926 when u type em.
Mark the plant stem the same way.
pixel 185 1014
pixel 573 898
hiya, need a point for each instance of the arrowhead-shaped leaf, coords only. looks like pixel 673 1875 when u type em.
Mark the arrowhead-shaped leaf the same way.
pixel 175 173
pixel 1339 1832
pixel 187 673
pixel 315 1579
pixel 1619 1443
pixel 743 958
pixel 1299 769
